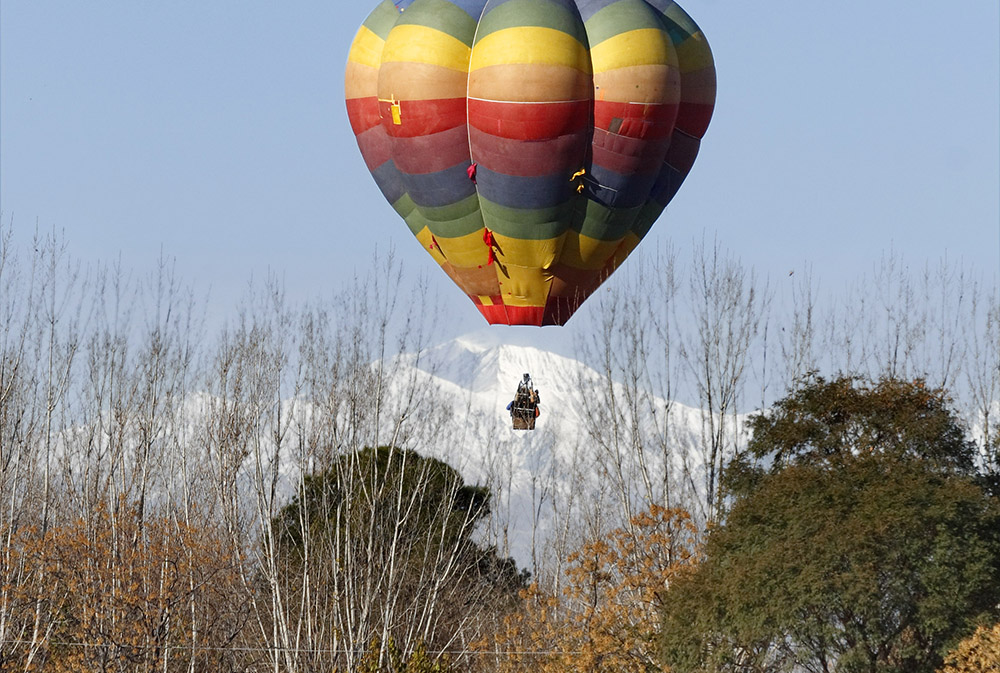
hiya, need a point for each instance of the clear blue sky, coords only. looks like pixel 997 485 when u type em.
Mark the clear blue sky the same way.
pixel 216 132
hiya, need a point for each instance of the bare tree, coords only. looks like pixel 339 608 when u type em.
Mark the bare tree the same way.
pixel 981 331
pixel 628 412
pixel 727 307
pixel 798 331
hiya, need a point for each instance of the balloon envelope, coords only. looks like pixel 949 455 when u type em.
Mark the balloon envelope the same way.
pixel 529 145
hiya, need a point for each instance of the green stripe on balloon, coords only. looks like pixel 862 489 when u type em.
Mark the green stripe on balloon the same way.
pixel 454 220
pixel 407 209
pixel 443 16
pixel 538 13
pixel 621 17
pixel 680 22
pixel 382 19
pixel 606 224
pixel 535 224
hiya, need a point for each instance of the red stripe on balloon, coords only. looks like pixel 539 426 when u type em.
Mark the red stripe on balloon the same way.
pixel 528 159
pixel 494 315
pixel 626 156
pixel 683 151
pixel 363 113
pixel 499 314
pixel 431 153
pixel 529 121
pixel 636 120
pixel 375 146
pixel 693 118
pixel 423 117
pixel 524 315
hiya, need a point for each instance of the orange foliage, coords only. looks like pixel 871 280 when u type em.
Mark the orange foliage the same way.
pixel 608 616
pixel 979 653
pixel 114 593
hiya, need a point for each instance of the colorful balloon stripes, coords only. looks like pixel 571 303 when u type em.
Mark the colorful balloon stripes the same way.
pixel 529 144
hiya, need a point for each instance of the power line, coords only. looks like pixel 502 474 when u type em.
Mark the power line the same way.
pixel 293 650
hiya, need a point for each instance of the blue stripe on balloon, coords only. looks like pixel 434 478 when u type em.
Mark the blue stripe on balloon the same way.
pixel 566 4
pixel 473 8
pixel 590 7
pixel 389 181
pixel 441 188
pixel 543 191
pixel 667 184
pixel 615 190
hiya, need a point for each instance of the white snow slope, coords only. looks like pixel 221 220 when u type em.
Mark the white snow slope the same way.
pixel 537 477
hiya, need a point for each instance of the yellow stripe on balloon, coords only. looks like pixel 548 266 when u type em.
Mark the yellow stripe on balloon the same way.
pixel 584 252
pixel 530 45
pixel 366 48
pixel 528 252
pixel 524 269
pixel 420 44
pixel 467 251
pixel 645 46
pixel 427 241
pixel 524 286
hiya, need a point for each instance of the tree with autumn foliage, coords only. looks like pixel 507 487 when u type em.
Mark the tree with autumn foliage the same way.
pixel 118 593
pixel 979 653
pixel 606 618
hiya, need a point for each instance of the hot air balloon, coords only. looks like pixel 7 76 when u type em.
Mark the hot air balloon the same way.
pixel 529 145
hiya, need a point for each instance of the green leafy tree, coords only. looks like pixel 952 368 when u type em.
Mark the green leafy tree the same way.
pixel 823 420
pixel 381 547
pixel 434 493
pixel 862 541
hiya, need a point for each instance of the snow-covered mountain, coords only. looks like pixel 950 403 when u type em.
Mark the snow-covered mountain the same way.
pixel 541 477
pixel 490 372
pixel 448 402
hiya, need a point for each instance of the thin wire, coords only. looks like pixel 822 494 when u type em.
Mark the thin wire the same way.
pixel 296 650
